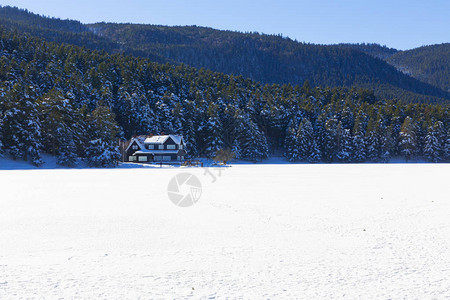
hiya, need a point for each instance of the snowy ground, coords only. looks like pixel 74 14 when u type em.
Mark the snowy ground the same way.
pixel 258 231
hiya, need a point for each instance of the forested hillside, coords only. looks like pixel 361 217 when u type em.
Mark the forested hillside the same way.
pixel 73 102
pixel 429 64
pixel 270 59
pixel 375 50
pixel 263 58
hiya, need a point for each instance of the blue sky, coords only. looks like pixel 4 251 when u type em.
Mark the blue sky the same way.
pixel 402 24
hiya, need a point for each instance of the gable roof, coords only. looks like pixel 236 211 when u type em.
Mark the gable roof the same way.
pixel 161 139
pixel 140 139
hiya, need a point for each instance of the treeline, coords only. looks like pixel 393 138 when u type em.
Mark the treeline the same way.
pixel 263 58
pixel 73 102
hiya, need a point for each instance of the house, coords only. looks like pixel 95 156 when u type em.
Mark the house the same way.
pixel 155 148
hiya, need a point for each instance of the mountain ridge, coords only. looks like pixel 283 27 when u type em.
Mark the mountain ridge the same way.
pixel 260 57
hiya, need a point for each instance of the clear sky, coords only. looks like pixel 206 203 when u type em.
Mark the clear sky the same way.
pixel 401 24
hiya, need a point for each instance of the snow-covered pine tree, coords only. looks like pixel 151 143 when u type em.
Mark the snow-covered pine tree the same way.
pixel 291 143
pixel 164 112
pixel 252 142
pixel 407 138
pixel 236 149
pixel 446 151
pixel 394 129
pixel 213 141
pixel 320 133
pixel 308 149
pixel 102 148
pixel 210 132
pixel 359 142
pixel 189 138
pixel 147 121
pixel 1 132
pixel 67 155
pixel 385 143
pixel 331 140
pixel 433 150
pixel 421 133
pixel 372 142
pixel 345 152
pixel 21 126
pixel 2 109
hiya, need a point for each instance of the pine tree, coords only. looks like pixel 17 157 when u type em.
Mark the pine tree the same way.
pixel 213 139
pixel 407 139
pixel 386 144
pixel 446 143
pixel 291 142
pixel 345 151
pixel 102 149
pixel 189 137
pixel 21 126
pixel 359 142
pixel 433 150
pixel 1 133
pixel 331 140
pixel 252 141
pixel 307 145
pixel 236 149
pixel 372 142
pixel 378 144
pixel 67 155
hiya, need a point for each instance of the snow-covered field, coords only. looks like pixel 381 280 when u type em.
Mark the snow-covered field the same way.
pixel 258 231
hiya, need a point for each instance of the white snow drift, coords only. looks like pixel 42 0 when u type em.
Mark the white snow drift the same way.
pixel 258 231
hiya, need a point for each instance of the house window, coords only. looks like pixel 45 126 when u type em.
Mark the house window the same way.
pixel 135 147
pixel 171 147
pixel 161 147
pixel 166 158
pixel 142 158
pixel 158 158
pixel 180 157
pixel 181 147
pixel 151 147
pixel 132 158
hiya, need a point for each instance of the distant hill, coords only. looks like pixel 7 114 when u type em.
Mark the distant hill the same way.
pixel 430 64
pixel 260 57
pixel 375 50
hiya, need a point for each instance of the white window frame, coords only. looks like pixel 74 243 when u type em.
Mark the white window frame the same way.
pixel 135 147
pixel 181 147
pixel 157 158
pixel 167 158
pixel 132 158
pixel 143 158
pixel 151 147
pixel 171 147
pixel 161 147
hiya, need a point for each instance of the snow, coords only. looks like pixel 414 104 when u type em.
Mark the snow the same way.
pixel 161 139
pixel 259 231
pixel 139 140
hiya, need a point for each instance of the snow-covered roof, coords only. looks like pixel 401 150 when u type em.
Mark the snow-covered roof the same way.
pixel 161 139
pixel 140 140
